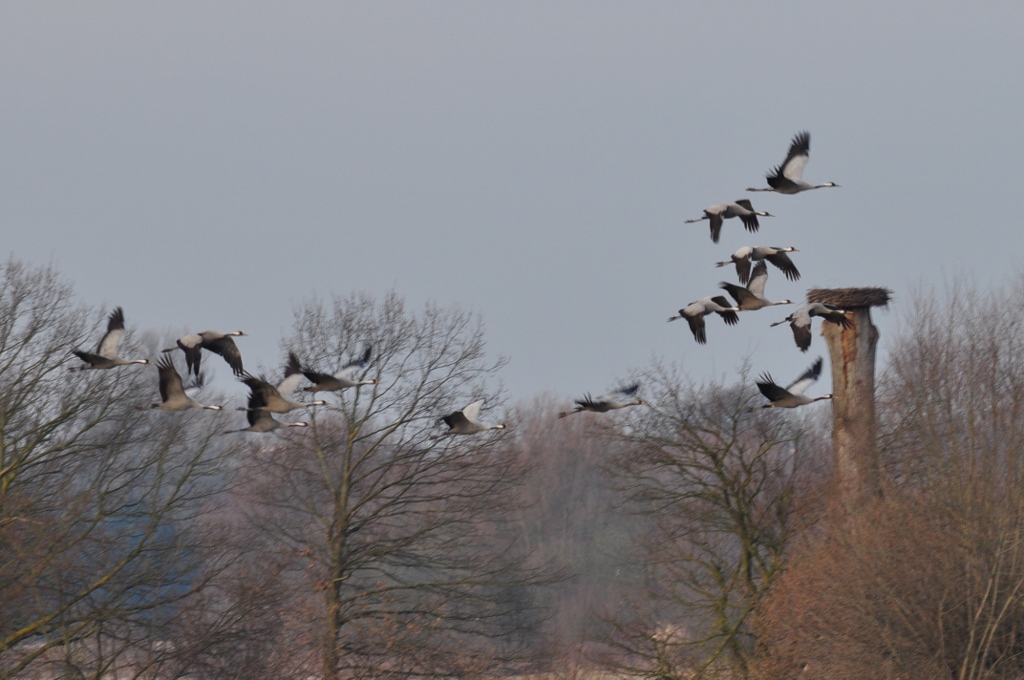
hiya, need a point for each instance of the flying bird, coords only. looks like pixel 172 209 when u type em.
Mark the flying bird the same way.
pixel 724 211
pixel 774 254
pixel 752 297
pixel 695 312
pixel 792 395
pixel 788 177
pixel 260 419
pixel 325 382
pixel 174 396
pixel 465 421
pixel 279 399
pixel 105 355
pixel 609 402
pixel 193 345
pixel 800 321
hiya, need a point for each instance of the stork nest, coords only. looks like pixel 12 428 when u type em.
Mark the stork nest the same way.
pixel 850 298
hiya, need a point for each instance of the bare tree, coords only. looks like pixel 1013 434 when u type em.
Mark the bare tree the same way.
pixel 406 557
pixel 102 537
pixel 719 486
pixel 931 582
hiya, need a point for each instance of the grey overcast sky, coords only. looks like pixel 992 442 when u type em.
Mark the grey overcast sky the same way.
pixel 208 164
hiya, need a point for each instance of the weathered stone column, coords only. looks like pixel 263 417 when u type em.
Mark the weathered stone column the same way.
pixel 852 353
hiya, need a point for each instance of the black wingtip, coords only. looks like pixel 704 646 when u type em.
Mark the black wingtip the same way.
pixel 293 366
pixel 116 319
pixel 631 390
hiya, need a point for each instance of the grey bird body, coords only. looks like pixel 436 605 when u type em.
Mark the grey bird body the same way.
pixel 608 402
pixel 792 395
pixel 105 357
pixel 752 297
pixel 278 399
pixel 800 321
pixel 465 421
pixel 343 379
pixel 193 345
pixel 174 396
pixel 779 257
pixel 260 419
pixel 695 312
pixel 788 177
pixel 723 211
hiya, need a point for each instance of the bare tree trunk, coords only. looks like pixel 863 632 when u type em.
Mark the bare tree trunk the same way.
pixel 337 563
pixel 854 433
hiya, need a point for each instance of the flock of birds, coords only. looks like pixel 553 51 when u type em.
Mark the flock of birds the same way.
pixel 266 399
pixel 751 263
pixel 752 271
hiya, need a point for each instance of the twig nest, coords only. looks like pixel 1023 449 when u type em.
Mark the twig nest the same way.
pixel 850 298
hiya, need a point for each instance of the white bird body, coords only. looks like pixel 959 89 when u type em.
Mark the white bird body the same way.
pixel 344 378
pixel 466 422
pixel 105 356
pixel 800 321
pixel 752 297
pixel 788 177
pixel 608 402
pixel 723 211
pixel 695 312
pixel 778 256
pixel 792 395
